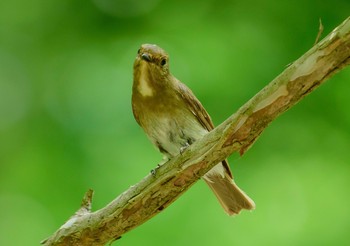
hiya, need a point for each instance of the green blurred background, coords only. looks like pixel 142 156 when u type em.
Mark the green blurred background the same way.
pixel 66 123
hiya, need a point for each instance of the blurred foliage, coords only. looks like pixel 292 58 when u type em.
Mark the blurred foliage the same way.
pixel 66 123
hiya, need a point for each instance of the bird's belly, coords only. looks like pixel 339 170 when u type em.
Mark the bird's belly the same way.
pixel 172 134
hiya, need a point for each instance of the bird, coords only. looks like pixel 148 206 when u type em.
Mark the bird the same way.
pixel 173 118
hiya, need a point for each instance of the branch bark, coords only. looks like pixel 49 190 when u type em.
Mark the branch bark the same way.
pixel 237 134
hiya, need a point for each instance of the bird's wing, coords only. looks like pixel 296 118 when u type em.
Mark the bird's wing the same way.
pixel 195 107
pixel 200 113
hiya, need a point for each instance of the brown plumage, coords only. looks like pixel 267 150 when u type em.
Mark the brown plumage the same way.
pixel 174 118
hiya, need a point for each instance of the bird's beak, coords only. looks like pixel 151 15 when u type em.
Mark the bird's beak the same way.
pixel 146 57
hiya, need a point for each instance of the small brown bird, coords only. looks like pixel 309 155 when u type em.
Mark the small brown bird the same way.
pixel 173 118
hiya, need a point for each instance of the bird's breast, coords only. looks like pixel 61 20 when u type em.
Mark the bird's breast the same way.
pixel 171 132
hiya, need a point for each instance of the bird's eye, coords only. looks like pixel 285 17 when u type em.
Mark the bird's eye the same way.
pixel 138 52
pixel 163 62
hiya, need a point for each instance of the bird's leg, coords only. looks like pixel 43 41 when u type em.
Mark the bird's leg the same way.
pixel 183 148
pixel 154 171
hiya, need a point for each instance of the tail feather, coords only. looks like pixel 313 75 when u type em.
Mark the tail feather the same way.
pixel 230 196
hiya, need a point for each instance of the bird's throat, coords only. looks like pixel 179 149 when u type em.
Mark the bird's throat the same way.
pixel 144 85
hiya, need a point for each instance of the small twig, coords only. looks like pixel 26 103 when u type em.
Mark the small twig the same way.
pixel 320 31
pixel 86 203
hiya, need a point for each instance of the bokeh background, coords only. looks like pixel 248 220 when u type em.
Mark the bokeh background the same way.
pixel 66 123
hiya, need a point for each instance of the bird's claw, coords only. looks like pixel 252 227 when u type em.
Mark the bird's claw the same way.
pixel 183 148
pixel 154 171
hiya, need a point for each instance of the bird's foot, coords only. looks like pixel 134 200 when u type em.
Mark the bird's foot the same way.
pixel 154 171
pixel 183 148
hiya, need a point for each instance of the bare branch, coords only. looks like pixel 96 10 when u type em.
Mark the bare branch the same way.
pixel 237 134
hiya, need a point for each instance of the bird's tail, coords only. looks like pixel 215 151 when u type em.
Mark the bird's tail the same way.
pixel 230 196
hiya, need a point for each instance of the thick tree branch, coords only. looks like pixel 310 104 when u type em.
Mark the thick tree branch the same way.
pixel 154 193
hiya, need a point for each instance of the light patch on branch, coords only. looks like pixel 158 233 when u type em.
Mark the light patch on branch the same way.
pixel 308 66
pixel 281 91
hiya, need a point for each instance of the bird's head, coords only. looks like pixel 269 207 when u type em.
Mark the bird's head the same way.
pixel 151 69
